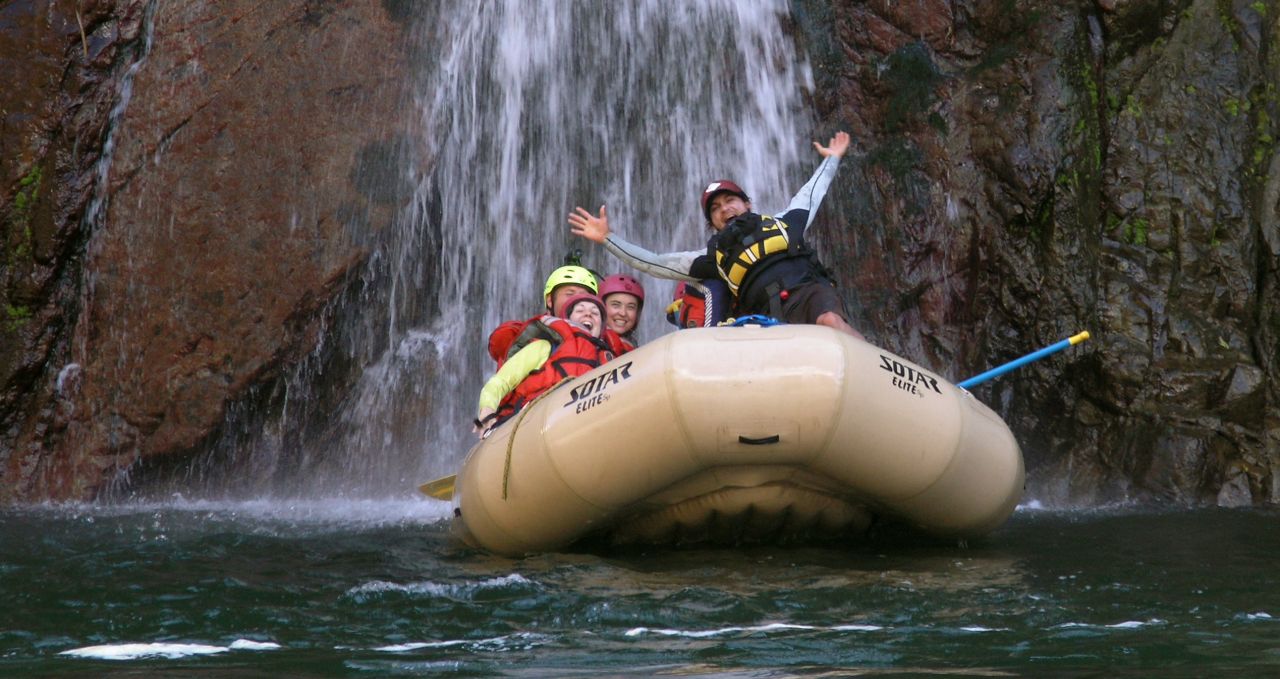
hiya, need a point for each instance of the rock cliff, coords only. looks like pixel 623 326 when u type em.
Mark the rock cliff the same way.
pixel 188 249
pixel 1033 169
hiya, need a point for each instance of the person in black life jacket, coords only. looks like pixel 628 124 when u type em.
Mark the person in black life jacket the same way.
pixel 578 342
pixel 764 260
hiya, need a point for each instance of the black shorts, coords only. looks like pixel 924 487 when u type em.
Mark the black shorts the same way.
pixel 807 301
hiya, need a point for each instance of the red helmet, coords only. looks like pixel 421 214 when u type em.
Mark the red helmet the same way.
pixel 567 307
pixel 716 187
pixel 621 283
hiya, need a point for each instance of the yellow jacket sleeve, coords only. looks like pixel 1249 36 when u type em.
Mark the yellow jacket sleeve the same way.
pixel 513 372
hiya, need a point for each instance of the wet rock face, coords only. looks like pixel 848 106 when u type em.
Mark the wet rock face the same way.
pixel 1028 170
pixel 227 206
pixel 1021 171
pixel 61 64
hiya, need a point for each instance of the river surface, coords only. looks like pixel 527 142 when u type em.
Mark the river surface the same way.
pixel 378 588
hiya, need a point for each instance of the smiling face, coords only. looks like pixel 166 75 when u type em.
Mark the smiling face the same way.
pixel 587 315
pixel 724 207
pixel 622 310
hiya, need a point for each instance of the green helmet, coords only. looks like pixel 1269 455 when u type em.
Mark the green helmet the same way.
pixel 565 275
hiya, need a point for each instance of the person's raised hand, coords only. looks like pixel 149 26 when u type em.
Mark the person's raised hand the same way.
pixel 593 228
pixel 835 147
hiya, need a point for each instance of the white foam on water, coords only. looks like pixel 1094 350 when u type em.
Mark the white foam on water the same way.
pixel 773 627
pixel 401 648
pixel 428 588
pixel 250 645
pixel 171 651
pixel 381 587
pixel 702 634
pixel 1127 624
pixel 135 651
pixel 520 641
pixel 857 628
pixel 1260 615
pixel 1135 624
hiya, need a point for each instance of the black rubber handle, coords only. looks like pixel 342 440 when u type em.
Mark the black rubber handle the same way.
pixel 760 442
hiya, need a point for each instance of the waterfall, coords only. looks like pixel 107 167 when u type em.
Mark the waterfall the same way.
pixel 531 108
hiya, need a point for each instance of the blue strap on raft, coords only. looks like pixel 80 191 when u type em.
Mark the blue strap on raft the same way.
pixel 755 319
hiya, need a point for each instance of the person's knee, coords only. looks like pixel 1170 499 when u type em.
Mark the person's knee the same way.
pixel 833 320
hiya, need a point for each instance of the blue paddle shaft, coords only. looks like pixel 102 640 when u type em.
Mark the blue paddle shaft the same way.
pixel 1019 362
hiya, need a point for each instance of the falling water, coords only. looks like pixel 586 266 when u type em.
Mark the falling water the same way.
pixel 532 108
pixel 537 107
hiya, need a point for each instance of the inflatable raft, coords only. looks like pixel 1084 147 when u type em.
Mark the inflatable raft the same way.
pixel 745 434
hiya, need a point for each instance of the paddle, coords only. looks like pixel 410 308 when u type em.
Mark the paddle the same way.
pixel 1019 362
pixel 440 489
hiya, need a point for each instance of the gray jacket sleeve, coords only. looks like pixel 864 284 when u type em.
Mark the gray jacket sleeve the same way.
pixel 672 265
pixel 810 196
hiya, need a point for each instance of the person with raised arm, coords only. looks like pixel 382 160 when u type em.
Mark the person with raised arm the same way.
pixel 764 261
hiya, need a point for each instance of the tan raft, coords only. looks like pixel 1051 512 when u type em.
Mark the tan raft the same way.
pixel 740 434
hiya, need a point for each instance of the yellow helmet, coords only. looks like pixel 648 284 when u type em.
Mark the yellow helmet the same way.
pixel 565 275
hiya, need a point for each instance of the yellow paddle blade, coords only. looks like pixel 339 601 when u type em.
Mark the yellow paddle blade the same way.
pixel 440 489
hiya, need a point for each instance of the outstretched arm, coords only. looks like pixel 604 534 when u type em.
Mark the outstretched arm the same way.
pixel 595 228
pixel 810 196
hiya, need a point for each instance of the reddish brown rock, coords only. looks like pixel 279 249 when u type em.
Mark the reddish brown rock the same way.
pixel 224 217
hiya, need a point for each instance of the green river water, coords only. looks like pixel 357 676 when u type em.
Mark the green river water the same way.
pixel 378 588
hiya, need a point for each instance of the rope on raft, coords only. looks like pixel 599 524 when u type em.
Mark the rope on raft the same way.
pixel 515 426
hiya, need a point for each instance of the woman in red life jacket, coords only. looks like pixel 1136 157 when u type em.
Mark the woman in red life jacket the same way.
pixel 580 343
pixel 623 299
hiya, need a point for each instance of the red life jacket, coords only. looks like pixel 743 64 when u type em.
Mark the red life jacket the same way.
pixel 689 308
pixel 573 352
pixel 512 336
pixel 617 345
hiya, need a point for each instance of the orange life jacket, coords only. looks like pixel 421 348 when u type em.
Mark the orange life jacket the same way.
pixel 573 352
pixel 512 336
pixel 688 309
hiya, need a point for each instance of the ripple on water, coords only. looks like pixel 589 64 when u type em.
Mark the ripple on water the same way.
pixel 378 589
pixel 170 651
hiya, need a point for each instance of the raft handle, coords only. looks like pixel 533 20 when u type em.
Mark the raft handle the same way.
pixel 760 441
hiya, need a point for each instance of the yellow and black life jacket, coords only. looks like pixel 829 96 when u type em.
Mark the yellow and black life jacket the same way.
pixel 746 242
pixel 759 258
